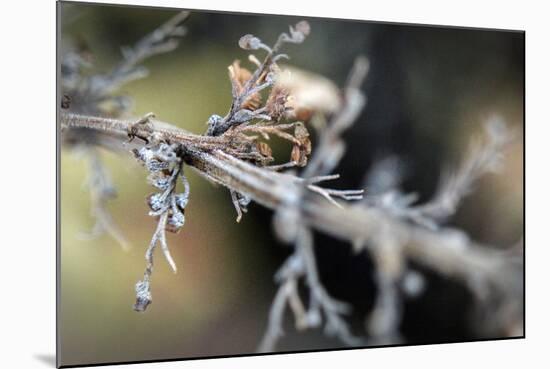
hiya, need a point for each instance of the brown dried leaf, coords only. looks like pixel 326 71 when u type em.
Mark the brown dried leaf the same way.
pixel 239 77
pixel 296 154
pixel 264 149
pixel 300 152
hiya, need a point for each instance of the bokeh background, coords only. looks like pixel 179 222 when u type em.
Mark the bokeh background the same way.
pixel 429 90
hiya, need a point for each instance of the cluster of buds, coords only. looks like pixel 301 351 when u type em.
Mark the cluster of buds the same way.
pixel 165 166
pixel 296 35
pixel 247 86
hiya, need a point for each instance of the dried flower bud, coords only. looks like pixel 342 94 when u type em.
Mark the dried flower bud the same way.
pixel 143 296
pixel 213 122
pixel 303 27
pixel 159 180
pixel 177 220
pixel 299 32
pixel 155 165
pixel 249 42
pixel 181 200
pixel 155 202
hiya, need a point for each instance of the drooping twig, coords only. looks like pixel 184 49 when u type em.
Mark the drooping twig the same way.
pixel 164 163
pixel 101 191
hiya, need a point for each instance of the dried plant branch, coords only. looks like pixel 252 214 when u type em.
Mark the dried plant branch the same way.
pixel 162 40
pixel 235 154
pixel 383 322
pixel 101 191
pixel 449 252
pixel 93 94
pixel 89 94
pixel 164 163
pixel 485 156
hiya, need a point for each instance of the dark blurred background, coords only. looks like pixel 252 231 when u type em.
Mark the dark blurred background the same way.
pixel 429 91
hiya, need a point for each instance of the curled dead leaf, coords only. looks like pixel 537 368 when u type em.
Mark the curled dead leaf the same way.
pixel 239 76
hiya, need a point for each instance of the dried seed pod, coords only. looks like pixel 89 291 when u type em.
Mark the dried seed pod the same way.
pixel 143 296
